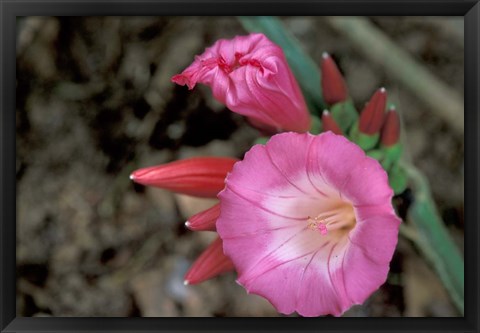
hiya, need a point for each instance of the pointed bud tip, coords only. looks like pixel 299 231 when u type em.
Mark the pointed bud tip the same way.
pixel 333 85
pixel 329 123
pixel 177 176
pixel 188 224
pixel 372 115
pixel 391 129
pixel 186 282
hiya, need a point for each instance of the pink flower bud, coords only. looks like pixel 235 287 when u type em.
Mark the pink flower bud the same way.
pixel 251 76
pixel 371 118
pixel 391 128
pixel 198 176
pixel 334 88
pixel 211 263
pixel 204 220
pixel 329 124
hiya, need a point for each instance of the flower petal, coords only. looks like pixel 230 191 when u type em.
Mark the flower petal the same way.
pixel 376 232
pixel 361 275
pixel 378 191
pixel 331 159
pixel 262 230
pixel 322 290
pixel 278 173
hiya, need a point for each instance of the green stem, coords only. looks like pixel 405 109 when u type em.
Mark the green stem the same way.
pixel 433 239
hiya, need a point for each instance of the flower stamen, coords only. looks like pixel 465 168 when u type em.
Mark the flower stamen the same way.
pixel 342 218
pixel 317 224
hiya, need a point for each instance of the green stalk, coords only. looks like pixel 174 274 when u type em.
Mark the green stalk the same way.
pixel 434 241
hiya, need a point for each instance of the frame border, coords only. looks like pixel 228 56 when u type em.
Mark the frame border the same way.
pixel 9 10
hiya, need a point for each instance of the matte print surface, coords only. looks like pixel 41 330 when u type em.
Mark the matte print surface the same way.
pixel 239 167
pixel 95 101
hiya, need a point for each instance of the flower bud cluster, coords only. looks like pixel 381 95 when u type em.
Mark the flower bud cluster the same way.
pixel 376 129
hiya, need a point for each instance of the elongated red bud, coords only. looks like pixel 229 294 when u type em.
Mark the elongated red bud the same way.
pixel 204 220
pixel 211 263
pixel 197 176
pixel 329 124
pixel 391 128
pixel 334 88
pixel 371 117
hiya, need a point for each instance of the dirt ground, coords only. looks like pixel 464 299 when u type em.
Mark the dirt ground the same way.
pixel 95 101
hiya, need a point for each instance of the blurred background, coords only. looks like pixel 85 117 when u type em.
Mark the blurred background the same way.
pixel 94 102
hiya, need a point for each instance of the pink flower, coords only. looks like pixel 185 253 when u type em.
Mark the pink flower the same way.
pixel 308 223
pixel 250 75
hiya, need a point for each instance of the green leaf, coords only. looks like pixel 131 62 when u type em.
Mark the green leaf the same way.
pixel 398 179
pixel 304 68
pixel 376 154
pixel 262 140
pixel 316 127
pixel 344 114
pixel 392 155
pixel 366 142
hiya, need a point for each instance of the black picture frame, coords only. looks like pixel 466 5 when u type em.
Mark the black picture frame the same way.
pixel 9 10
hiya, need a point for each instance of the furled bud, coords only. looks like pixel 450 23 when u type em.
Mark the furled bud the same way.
pixel 334 88
pixel 390 143
pixel 211 263
pixel 391 128
pixel 366 131
pixel 251 76
pixel 329 124
pixel 204 220
pixel 198 176
pixel 371 117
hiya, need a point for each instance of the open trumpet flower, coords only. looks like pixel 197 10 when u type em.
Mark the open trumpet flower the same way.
pixel 308 223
